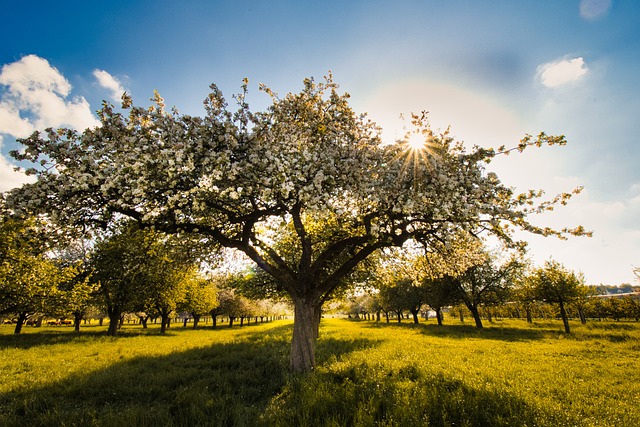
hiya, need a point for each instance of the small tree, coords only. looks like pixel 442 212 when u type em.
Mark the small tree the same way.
pixel 28 279
pixel 555 284
pixel 486 283
pixel 200 297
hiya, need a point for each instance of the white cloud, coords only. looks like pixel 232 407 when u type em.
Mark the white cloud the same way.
pixel 558 73
pixel 37 97
pixel 34 96
pixel 11 123
pixel 594 9
pixel 9 178
pixel 109 82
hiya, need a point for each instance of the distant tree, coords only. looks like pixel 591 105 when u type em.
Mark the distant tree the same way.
pixel 486 283
pixel 28 279
pixel 555 284
pixel 200 297
pixel 440 293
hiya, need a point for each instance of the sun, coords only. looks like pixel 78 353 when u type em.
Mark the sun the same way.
pixel 416 143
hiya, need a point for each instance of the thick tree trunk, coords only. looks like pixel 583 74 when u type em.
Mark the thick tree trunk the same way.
pixel 386 314
pixel 77 318
pixel 164 322
pixel 196 320
pixel 305 332
pixel 565 319
pixel 114 321
pixel 415 313
pixel 399 316
pixel 439 316
pixel 377 316
pixel 22 317
pixel 476 316
pixel 214 321
pixel 231 318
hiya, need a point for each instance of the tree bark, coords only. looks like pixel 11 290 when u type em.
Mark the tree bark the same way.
pixel 439 316
pixel 196 320
pixel 476 316
pixel 114 321
pixel 565 319
pixel 415 313
pixel 77 318
pixel 305 333
pixel 22 317
pixel 529 317
pixel 164 322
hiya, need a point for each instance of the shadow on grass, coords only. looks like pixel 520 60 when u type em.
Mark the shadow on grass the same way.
pixel 50 336
pixel 226 384
pixel 370 395
pixel 501 333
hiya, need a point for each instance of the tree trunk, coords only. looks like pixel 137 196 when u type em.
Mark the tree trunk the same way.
pixel 214 321
pixel 114 321
pixel 377 316
pixel 415 313
pixel 529 317
pixel 196 320
pixel 399 315
pixel 306 322
pixel 565 319
pixel 386 314
pixel 476 316
pixel 489 315
pixel 22 317
pixel 231 318
pixel 77 318
pixel 164 322
pixel 583 318
pixel 439 316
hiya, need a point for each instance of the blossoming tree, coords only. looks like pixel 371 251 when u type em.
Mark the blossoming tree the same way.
pixel 308 167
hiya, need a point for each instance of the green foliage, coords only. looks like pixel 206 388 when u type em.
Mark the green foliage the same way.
pixel 29 281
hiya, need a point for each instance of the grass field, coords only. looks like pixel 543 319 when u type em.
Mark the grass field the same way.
pixel 509 374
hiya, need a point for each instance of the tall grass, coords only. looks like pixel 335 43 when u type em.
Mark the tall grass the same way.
pixel 368 373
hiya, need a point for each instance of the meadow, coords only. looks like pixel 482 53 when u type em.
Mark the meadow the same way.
pixel 368 374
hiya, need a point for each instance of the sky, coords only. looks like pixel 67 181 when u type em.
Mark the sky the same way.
pixel 492 71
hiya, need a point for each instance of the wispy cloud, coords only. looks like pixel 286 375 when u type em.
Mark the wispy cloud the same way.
pixel 561 72
pixel 594 9
pixel 109 82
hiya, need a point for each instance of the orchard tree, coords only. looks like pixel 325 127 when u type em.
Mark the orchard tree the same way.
pixel 239 178
pixel 439 293
pixel 29 280
pixel 556 284
pixel 488 282
pixel 200 297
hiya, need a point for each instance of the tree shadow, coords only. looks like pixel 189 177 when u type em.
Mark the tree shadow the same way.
pixel 226 384
pixel 371 394
pixel 44 337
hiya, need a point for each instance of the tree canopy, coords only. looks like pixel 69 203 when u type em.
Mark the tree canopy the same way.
pixel 308 166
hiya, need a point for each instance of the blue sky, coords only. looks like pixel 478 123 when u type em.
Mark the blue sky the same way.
pixel 493 70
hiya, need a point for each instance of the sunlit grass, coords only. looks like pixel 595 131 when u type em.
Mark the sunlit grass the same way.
pixel 368 373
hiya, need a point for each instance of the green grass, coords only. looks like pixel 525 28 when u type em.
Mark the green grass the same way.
pixel 368 373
